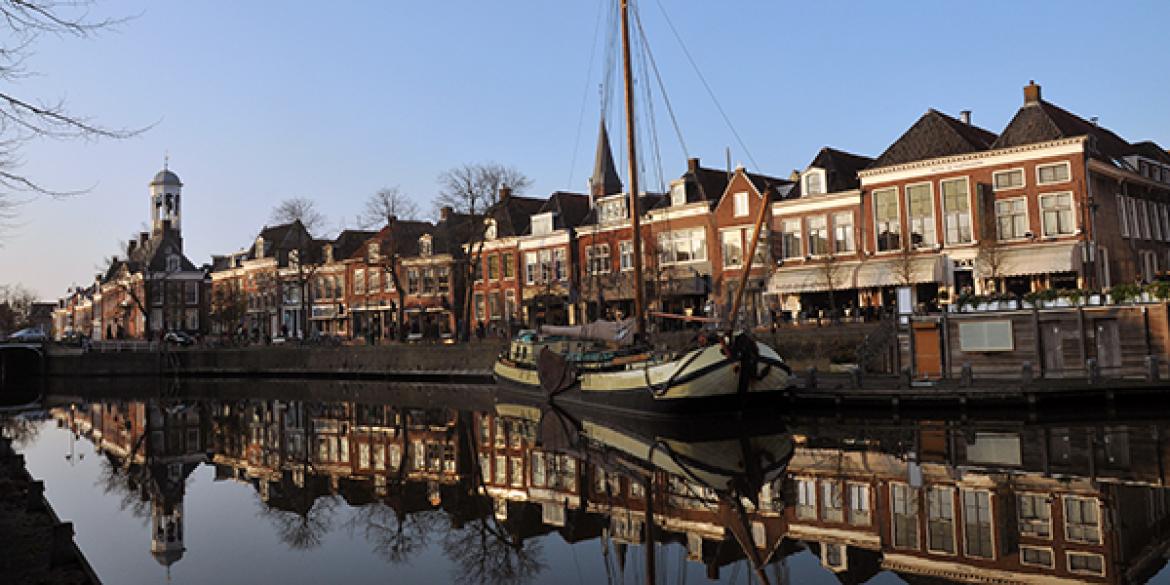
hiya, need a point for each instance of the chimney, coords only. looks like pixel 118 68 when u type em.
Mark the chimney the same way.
pixel 1031 93
pixel 693 165
pixel 130 247
pixel 390 219
pixel 1095 121
pixel 505 193
pixel 143 237
pixel 445 212
pixel 965 117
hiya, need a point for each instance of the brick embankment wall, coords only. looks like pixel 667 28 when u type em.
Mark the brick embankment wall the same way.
pixel 37 546
pixel 474 359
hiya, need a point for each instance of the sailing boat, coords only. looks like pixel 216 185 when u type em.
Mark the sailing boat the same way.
pixel 611 363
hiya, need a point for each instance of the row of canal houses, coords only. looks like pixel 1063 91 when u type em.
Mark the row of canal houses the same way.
pixel 977 503
pixel 948 209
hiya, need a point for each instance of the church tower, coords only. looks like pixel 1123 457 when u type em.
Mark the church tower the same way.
pixel 165 197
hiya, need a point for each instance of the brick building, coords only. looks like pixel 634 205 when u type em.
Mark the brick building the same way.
pixel 153 288
pixel 495 287
pixel 549 263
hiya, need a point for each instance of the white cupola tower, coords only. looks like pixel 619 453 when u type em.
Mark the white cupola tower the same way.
pixel 165 200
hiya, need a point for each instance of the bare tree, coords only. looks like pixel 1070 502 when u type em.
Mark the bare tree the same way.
pixel 23 119
pixel 830 271
pixel 991 261
pixel 472 189
pixel 388 201
pixel 228 305
pixel 904 266
pixel 300 209
pixel 16 303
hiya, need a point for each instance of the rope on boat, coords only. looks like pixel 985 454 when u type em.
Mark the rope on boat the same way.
pixel 661 390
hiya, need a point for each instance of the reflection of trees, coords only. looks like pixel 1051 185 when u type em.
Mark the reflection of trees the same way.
pixel 20 430
pixel 396 536
pixel 126 483
pixel 485 554
pixel 303 529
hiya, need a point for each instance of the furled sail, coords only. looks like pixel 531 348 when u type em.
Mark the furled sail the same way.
pixel 619 332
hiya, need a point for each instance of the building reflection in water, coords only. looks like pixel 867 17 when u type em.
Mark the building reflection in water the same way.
pixel 999 503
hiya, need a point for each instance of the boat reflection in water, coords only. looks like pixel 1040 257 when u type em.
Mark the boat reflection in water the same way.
pixel 971 502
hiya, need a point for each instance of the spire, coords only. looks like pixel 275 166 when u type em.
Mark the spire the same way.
pixel 605 179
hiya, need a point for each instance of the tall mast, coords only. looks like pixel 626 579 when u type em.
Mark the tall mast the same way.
pixel 635 219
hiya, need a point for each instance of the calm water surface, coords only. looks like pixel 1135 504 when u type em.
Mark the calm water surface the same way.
pixel 321 482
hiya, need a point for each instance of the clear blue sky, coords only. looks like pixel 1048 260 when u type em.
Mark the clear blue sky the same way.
pixel 260 101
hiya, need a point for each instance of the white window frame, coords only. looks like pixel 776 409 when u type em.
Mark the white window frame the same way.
pixel 1068 555
pixel 784 253
pixel 996 174
pixel 1072 207
pixel 678 194
pixel 626 251
pixel 1067 172
pixel 1020 520
pixel 737 237
pixel 916 505
pixel 970 211
pixel 1051 556
pixel 951 492
pixel 531 266
pixel 1064 517
pixel 804 487
pixel 1143 217
pixel 1156 220
pixel 850 238
pixel 851 502
pixel 933 232
pixel 819 173
pixel 742 208
pixel 991 523
pixel 826 233
pixel 898 219
pixel 1123 215
pixel 1164 217
pixel 592 257
pixel 1027 220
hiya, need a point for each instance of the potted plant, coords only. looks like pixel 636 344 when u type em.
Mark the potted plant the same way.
pixel 1124 293
pixel 1074 296
pixel 1160 289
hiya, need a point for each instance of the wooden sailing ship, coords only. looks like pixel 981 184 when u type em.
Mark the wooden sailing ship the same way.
pixel 612 363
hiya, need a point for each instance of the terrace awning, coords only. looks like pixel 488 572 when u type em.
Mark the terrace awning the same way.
pixel 1029 260
pixel 872 273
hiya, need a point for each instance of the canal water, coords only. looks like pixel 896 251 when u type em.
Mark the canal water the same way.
pixel 319 482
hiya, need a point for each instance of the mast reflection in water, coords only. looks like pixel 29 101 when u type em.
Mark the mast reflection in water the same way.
pixel 509 491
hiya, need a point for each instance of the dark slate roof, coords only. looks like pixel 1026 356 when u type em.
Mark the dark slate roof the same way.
pixel 934 135
pixel 166 177
pixel 1041 121
pixel 452 233
pixel 840 168
pixel 399 237
pixel 1151 150
pixel 514 214
pixel 570 208
pixel 772 187
pixel 350 241
pixel 280 239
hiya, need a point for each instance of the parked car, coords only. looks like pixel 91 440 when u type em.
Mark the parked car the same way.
pixel 178 338
pixel 31 335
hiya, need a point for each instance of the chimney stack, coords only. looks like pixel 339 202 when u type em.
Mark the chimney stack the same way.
pixel 693 165
pixel 1095 120
pixel 130 247
pixel 445 212
pixel 965 117
pixel 1031 93
pixel 505 193
pixel 143 237
pixel 390 219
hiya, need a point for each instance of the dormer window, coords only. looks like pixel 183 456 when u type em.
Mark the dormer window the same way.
pixel 173 263
pixel 814 182
pixel 259 250
pixel 489 231
pixel 294 259
pixel 542 224
pixel 613 210
pixel 678 194
pixel 425 247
